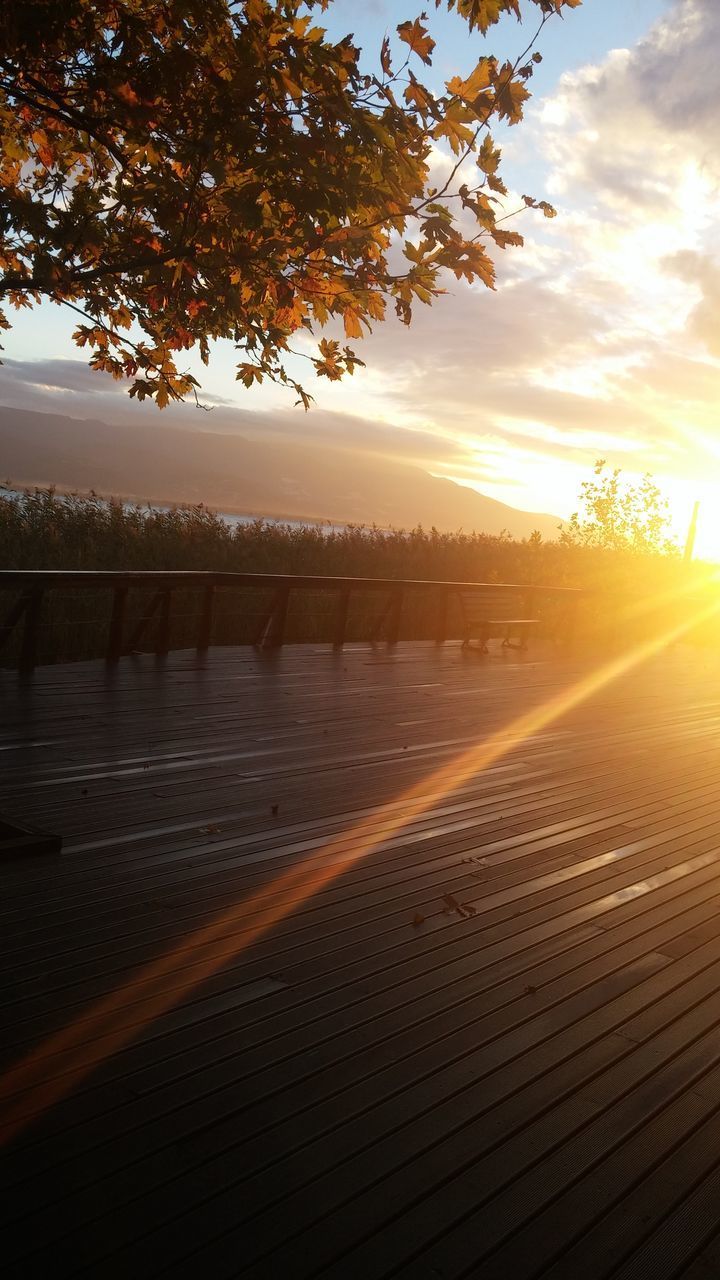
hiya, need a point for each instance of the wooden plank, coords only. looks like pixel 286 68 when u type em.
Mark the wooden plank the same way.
pixel 543 1072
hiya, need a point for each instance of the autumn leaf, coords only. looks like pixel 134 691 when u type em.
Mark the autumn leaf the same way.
pixel 505 238
pixel 479 79
pixel 452 127
pixel 127 93
pixel 485 13
pixel 419 96
pixel 351 320
pixel 249 374
pixel 415 35
pixel 489 156
pixel 510 95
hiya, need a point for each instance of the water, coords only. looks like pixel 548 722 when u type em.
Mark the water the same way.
pixel 231 518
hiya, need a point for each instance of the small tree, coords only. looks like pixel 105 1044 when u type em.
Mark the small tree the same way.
pixel 620 517
pixel 179 171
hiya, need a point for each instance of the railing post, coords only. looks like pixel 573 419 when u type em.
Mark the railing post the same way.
pixel 441 619
pixel 162 643
pixel 571 624
pixel 13 617
pixel 206 617
pixel 28 648
pixel 393 622
pixel 343 605
pixel 117 623
pixel 275 630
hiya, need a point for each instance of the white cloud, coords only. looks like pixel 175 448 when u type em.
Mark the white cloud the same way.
pixel 602 336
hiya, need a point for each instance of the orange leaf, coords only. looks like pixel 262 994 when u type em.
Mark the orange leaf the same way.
pixel 351 319
pixel 127 93
pixel 415 35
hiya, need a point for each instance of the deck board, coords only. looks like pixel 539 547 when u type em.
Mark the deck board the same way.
pixel 487 1048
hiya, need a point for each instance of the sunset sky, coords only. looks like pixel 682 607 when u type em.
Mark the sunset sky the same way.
pixel 603 338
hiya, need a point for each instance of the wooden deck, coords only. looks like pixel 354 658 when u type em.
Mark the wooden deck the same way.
pixel 481 1036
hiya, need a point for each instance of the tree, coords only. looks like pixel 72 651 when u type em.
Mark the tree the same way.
pixel 620 517
pixel 185 170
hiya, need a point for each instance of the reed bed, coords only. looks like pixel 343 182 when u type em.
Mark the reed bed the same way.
pixel 40 529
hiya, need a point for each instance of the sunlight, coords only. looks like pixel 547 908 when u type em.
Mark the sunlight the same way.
pixel 56 1066
pixel 707 542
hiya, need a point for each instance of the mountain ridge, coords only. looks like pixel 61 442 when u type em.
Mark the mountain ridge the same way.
pixel 241 475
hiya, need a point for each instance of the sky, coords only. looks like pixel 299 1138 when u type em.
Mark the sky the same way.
pixel 603 336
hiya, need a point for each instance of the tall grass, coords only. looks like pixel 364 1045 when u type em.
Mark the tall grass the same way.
pixel 40 529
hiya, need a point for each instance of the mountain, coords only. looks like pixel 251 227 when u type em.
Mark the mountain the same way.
pixel 172 464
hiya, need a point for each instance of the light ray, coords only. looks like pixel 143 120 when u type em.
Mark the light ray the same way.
pixel 54 1068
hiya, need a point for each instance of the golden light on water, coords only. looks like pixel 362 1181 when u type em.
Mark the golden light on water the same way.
pixel 56 1066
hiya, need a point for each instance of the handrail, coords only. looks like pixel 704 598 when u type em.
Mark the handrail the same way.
pixel 33 584
pixel 54 578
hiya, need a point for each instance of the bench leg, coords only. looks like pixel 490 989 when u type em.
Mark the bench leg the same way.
pixel 482 643
pixel 521 642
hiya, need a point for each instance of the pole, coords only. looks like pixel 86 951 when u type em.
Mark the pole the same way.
pixel 692 530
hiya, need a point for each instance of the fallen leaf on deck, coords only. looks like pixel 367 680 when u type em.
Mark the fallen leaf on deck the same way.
pixel 464 909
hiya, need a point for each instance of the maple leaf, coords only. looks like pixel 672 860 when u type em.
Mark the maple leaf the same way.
pixel 487 12
pixel 415 35
pixel 504 238
pixel 249 374
pixel 351 320
pixel 454 127
pixel 477 80
pixel 510 95
pixel 419 95
pixel 488 156
pixel 127 93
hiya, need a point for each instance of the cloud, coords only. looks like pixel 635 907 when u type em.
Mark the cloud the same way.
pixel 70 387
pixel 704 319
pixel 599 341
pixel 50 375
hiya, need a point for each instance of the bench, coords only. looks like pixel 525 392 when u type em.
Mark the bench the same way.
pixel 487 615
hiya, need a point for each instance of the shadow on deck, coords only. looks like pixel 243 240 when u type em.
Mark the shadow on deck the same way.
pixel 340 974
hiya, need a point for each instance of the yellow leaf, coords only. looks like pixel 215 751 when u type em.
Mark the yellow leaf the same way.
pixel 419 95
pixel 455 131
pixel 477 80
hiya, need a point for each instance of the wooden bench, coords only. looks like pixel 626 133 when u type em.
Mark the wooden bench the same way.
pixel 487 615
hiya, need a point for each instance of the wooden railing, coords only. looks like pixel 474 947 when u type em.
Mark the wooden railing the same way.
pixel 31 589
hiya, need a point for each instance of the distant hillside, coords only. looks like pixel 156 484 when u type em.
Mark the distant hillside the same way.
pixel 233 474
